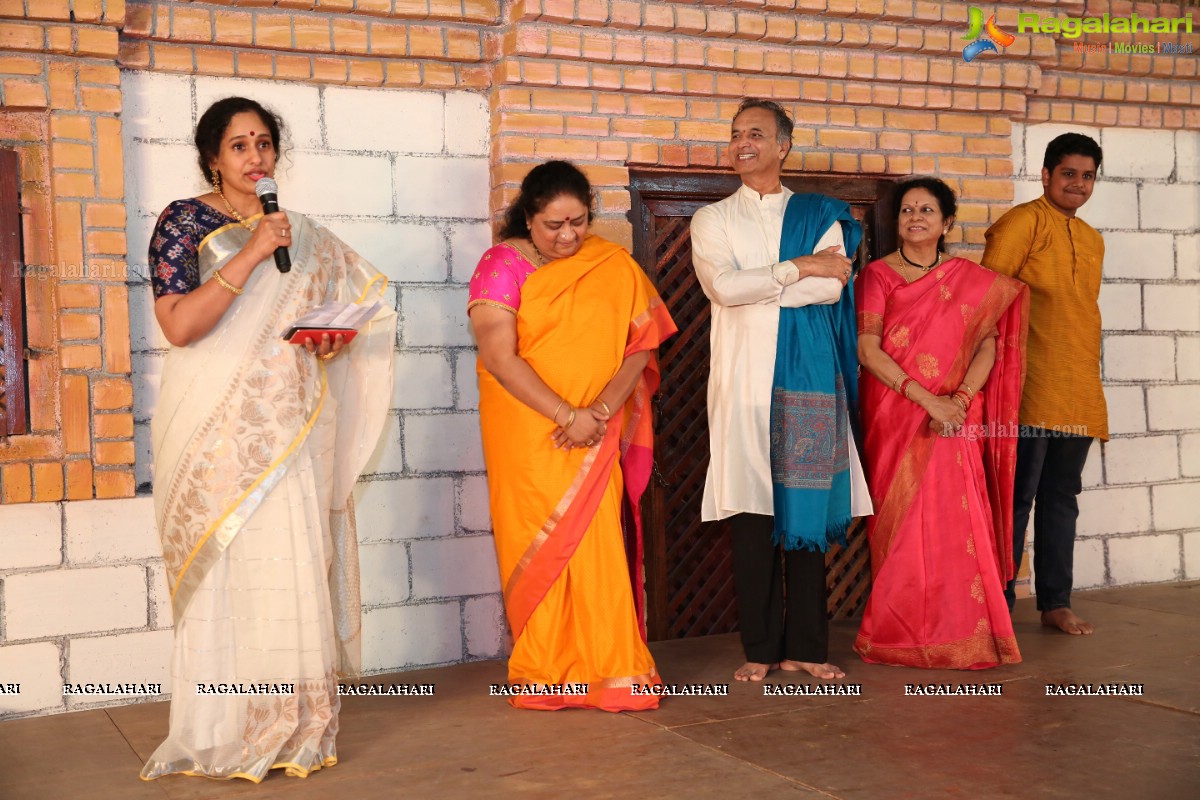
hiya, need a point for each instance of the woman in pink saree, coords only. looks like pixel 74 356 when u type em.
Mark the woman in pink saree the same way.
pixel 942 345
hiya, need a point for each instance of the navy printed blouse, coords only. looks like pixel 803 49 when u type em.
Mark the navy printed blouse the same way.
pixel 175 245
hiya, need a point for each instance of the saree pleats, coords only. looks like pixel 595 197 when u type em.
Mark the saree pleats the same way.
pixel 557 514
pixel 257 446
pixel 938 553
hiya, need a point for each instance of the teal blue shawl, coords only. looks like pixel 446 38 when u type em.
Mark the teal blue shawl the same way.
pixel 814 388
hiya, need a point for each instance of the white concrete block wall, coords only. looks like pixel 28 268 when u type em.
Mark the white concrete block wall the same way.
pixel 83 595
pixel 1139 521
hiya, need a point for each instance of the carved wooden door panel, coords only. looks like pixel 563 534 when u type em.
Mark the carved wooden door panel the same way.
pixel 689 577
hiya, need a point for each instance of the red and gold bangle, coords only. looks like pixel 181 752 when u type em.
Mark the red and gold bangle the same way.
pixel 904 386
pixel 958 398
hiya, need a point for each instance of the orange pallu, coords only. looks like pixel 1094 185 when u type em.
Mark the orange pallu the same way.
pixel 571 574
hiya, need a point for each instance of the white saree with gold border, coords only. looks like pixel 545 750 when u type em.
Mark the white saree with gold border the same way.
pixel 257 445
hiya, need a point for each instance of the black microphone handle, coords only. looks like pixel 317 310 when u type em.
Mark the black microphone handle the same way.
pixel 283 259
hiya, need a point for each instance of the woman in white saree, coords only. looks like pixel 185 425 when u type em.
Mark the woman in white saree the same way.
pixel 257 445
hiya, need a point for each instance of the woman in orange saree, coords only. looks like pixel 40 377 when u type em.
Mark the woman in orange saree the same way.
pixel 567 326
pixel 942 343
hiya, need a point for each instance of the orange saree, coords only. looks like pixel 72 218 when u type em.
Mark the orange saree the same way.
pixel 574 611
pixel 941 535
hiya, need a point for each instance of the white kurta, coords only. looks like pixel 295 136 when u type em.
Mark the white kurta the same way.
pixel 735 252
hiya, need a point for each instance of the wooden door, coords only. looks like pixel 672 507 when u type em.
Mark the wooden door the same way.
pixel 689 577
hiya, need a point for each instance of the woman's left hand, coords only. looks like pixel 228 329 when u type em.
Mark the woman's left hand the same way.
pixel 328 348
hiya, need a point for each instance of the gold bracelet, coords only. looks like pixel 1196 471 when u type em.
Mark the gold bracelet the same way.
pixel 224 284
pixel 896 381
pixel 604 405
pixel 970 391
pixel 570 419
pixel 327 356
pixel 557 408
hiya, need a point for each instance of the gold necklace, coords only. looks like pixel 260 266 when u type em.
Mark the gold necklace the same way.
pixel 536 258
pixel 905 264
pixel 233 212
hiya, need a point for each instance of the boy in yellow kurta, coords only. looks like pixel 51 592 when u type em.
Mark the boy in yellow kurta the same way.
pixel 1059 256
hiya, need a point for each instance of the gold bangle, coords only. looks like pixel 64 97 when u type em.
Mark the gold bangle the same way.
pixel 604 405
pixel 224 284
pixel 558 408
pixel 970 391
pixel 570 419
pixel 896 381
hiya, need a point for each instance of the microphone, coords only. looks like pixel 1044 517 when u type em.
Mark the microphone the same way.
pixel 268 192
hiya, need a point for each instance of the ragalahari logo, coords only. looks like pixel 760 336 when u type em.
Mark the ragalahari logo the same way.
pixel 994 36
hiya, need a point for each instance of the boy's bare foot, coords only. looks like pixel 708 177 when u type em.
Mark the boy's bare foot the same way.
pixel 825 672
pixel 753 671
pixel 1065 620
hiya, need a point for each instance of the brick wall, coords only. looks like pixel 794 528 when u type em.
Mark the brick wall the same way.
pixel 386 96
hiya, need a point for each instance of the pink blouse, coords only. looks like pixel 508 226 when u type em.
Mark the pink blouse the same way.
pixel 499 277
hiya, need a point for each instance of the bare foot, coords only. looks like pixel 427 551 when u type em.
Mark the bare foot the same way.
pixel 1065 620
pixel 825 672
pixel 753 671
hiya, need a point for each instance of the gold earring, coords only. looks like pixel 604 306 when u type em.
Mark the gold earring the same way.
pixel 215 179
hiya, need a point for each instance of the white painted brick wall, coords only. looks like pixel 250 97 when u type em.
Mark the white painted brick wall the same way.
pixel 473 501
pixel 1191 555
pixel 1117 510
pixel 66 601
pixel 1174 407
pixel 412 636
pixel 1187 156
pixel 435 317
pixel 1138 255
pixel 466 379
pixel 1172 307
pixel 1133 153
pixel 1144 559
pixel 420 183
pixel 1121 306
pixel 422 380
pixel 111 530
pixel 32 536
pixel 1170 208
pixel 405 508
pixel 385 573
pixel 142 657
pixel 1090 569
pixel 1187 358
pixel 1187 257
pixel 485 627
pixel 442 442
pixel 1175 506
pixel 36 667
pixel 1126 409
pixel 454 567
pixel 1139 358
pixel 1189 455
pixel 1111 207
pixel 388 456
pixel 403 122
pixel 1141 459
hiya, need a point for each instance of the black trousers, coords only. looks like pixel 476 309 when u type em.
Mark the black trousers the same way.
pixel 1050 471
pixel 780 595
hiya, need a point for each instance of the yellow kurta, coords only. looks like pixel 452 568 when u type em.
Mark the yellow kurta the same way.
pixel 1061 259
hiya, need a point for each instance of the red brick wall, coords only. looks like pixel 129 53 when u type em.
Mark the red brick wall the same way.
pixel 876 86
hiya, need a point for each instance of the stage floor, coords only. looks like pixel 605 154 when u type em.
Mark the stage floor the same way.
pixel 463 743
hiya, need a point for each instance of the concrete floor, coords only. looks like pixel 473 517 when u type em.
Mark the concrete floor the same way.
pixel 463 743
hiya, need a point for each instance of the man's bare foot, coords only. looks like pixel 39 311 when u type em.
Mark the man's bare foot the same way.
pixel 825 672
pixel 753 671
pixel 1065 620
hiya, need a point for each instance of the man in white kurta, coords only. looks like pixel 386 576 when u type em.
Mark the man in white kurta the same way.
pixel 735 252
